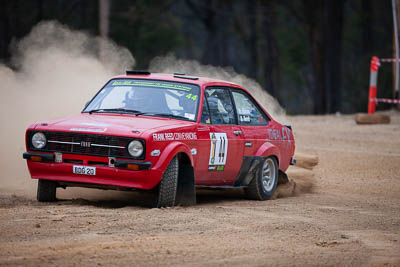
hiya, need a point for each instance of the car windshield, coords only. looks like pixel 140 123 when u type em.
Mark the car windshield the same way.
pixel 147 97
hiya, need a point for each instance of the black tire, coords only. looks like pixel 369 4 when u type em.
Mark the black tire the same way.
pixel 46 191
pixel 166 190
pixel 263 185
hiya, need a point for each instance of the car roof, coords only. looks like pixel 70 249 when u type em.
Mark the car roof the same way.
pixel 178 77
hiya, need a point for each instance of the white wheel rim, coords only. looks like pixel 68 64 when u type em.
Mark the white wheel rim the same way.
pixel 268 175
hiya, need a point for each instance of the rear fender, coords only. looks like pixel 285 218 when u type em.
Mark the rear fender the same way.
pixel 267 150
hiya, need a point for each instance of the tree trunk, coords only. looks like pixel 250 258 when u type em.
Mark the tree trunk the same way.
pixel 314 20
pixel 104 11
pixel 269 53
pixel 5 31
pixel 333 53
pixel 253 38
pixel 396 94
pixel 366 17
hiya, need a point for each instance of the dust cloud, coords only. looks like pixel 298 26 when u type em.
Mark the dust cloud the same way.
pixel 170 64
pixel 301 177
pixel 55 71
pixel 300 181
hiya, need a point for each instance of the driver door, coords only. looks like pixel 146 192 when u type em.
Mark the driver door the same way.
pixel 223 146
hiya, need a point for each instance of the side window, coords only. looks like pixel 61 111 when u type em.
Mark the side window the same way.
pixel 205 114
pixel 220 106
pixel 247 111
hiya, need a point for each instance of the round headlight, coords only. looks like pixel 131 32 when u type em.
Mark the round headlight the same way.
pixel 39 140
pixel 135 148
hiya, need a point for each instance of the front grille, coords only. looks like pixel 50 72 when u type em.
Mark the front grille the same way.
pixel 86 144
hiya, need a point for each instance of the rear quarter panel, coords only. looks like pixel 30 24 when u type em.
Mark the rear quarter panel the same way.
pixel 272 140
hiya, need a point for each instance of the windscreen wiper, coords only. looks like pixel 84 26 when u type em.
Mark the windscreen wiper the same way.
pixel 166 115
pixel 116 110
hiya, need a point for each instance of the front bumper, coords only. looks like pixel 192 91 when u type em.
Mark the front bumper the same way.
pixel 44 166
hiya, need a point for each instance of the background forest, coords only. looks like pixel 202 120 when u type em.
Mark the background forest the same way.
pixel 312 55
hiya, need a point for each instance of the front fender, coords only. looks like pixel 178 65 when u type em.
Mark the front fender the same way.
pixel 170 151
pixel 269 149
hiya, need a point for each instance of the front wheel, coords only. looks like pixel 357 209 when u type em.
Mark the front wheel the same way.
pixel 263 185
pixel 166 190
pixel 46 191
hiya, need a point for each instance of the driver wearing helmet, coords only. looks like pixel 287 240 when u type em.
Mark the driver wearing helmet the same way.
pixel 147 100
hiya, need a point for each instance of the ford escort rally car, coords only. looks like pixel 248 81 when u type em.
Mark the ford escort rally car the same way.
pixel 165 133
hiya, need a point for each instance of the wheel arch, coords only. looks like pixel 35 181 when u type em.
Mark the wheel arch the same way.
pixel 185 194
pixel 170 151
pixel 269 150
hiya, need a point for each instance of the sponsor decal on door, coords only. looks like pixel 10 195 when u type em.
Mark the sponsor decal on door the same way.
pixel 218 151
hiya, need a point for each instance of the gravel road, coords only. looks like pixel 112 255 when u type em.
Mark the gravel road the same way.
pixel 344 211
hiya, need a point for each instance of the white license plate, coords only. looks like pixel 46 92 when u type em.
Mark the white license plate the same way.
pixel 84 170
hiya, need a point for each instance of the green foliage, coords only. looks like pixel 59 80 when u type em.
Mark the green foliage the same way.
pixel 145 29
pixel 294 61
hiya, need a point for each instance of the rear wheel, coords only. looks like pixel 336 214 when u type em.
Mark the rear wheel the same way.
pixel 46 191
pixel 166 190
pixel 263 185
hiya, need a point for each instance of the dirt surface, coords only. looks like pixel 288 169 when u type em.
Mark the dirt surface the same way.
pixel 344 211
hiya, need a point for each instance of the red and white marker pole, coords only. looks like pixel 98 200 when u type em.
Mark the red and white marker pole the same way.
pixel 372 84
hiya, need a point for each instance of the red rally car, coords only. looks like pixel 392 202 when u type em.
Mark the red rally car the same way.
pixel 165 133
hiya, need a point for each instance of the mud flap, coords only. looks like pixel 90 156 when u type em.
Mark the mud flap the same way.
pixel 186 192
pixel 282 178
pixel 248 170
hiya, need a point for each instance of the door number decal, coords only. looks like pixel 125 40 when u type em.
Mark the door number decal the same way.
pixel 218 151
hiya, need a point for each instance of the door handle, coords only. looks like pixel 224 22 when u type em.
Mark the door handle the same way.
pixel 237 132
pixel 201 129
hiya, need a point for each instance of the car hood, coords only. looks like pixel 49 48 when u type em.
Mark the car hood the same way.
pixel 111 124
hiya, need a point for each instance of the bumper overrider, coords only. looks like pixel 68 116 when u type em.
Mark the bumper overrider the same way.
pixel 109 171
